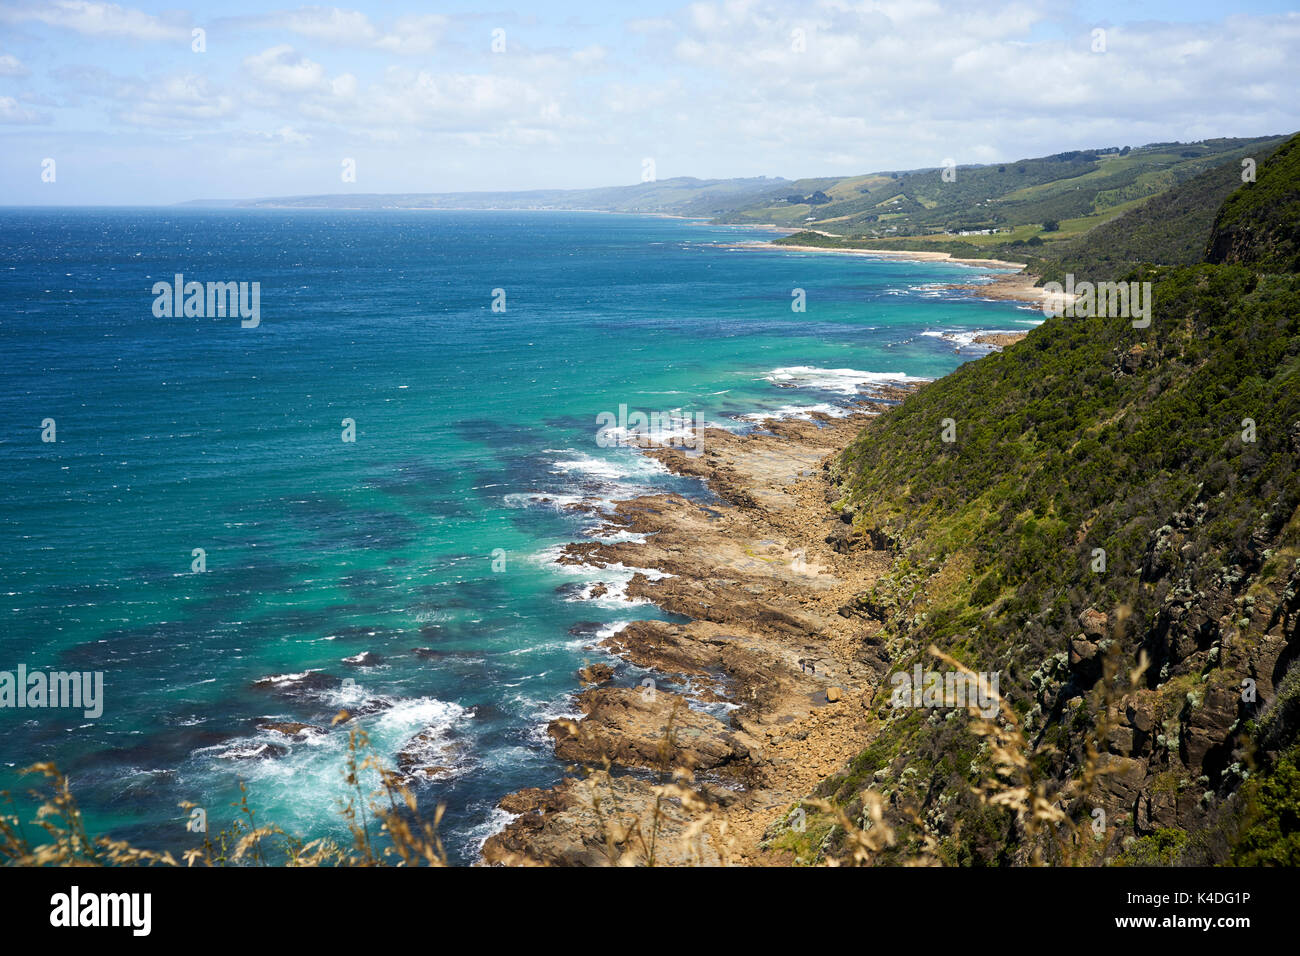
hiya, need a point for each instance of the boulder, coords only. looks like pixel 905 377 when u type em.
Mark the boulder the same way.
pixel 1140 709
pixel 595 673
pixel 1093 623
pixel 1082 650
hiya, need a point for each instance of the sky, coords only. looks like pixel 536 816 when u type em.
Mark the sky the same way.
pixel 148 103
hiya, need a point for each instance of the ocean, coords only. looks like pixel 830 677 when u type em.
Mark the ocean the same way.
pixel 202 533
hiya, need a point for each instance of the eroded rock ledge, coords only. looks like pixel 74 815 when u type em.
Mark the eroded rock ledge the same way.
pixel 741 702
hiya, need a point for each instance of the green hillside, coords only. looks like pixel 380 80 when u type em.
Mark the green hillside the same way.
pixel 1173 228
pixel 1156 686
pixel 1261 226
pixel 1039 208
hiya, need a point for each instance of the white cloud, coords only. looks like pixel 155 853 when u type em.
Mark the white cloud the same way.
pixel 11 112
pixel 284 136
pixel 410 35
pixel 415 35
pixel 327 23
pixel 184 98
pixel 282 69
pixel 180 98
pixel 97 19
pixel 10 65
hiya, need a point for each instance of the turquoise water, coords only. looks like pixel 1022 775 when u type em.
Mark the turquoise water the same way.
pixel 474 429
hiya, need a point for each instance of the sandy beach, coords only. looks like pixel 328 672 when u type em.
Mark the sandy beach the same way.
pixel 907 254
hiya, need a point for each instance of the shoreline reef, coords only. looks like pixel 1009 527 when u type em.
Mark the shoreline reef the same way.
pixel 696 738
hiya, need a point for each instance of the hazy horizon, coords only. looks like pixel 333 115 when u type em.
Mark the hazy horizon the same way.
pixel 215 202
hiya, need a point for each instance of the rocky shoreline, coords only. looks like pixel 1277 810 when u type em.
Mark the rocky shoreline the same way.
pixel 698 736
pixel 1008 287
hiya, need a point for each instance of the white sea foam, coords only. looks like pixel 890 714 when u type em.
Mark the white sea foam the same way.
pixel 317 761
pixel 632 466
pixel 606 631
pixel 285 678
pixel 799 411
pixel 597 483
pixel 615 577
pixel 607 535
pixel 478 835
pixel 845 381
pixel 541 499
pixel 542 713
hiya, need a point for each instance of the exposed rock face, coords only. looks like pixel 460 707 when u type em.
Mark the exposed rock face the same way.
pixel 595 673
pixel 1130 360
pixel 1139 708
pixel 1094 624
pixel 657 645
pixel 1204 728
pixel 536 800
pixel 1121 780
pixel 1173 743
pixel 646 728
pixel 602 821
pixel 1000 339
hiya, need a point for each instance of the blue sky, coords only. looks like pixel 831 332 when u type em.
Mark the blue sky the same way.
pixel 581 93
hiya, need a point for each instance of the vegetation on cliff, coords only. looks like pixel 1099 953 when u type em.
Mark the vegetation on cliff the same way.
pixel 1260 226
pixel 1113 529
